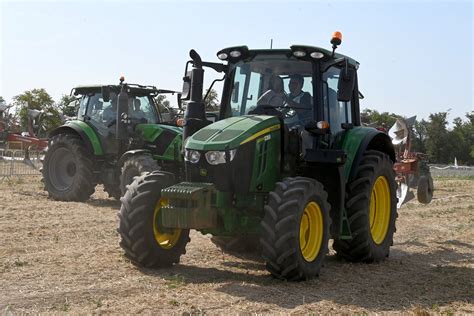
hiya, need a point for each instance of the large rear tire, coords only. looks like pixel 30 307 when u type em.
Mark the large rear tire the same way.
pixel 146 243
pixel 68 169
pixel 136 166
pixel 371 206
pixel 295 229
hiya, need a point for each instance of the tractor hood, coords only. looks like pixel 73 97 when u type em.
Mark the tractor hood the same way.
pixel 232 132
pixel 151 131
pixel 164 141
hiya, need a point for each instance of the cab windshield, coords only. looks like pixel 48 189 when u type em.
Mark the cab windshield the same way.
pixel 275 85
pixel 140 108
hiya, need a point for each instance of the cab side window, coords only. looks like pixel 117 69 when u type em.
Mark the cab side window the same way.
pixel 246 92
pixel 82 107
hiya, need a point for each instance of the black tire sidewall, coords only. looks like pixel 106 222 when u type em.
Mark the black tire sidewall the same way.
pixel 77 191
pixel 142 205
pixel 280 232
pixel 129 172
pixel 381 250
pixel 362 247
pixel 149 232
pixel 313 267
pixel 135 166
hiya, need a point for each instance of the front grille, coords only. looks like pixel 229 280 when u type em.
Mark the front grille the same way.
pixel 233 176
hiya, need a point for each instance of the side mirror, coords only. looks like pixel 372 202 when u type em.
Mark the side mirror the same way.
pixel 186 92
pixel 346 84
pixel 105 90
pixel 235 92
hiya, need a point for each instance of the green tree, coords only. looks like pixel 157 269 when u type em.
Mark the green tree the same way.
pixel 68 105
pixel 470 131
pixel 2 103
pixel 461 139
pixel 162 102
pixel 168 113
pixel 212 101
pixel 377 119
pixel 419 135
pixel 37 99
pixel 437 145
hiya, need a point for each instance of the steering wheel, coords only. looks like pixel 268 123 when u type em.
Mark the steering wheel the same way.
pixel 284 111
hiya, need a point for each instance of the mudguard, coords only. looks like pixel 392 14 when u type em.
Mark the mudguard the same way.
pixel 85 132
pixel 360 139
pixel 131 153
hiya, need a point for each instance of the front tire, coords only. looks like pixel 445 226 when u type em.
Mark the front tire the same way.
pixel 371 206
pixel 146 243
pixel 295 229
pixel 134 167
pixel 68 169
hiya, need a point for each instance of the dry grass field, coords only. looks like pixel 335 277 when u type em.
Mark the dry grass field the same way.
pixel 60 257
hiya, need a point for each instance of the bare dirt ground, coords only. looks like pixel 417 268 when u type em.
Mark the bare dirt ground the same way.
pixel 60 257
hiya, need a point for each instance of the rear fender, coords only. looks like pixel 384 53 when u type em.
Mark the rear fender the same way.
pixel 357 141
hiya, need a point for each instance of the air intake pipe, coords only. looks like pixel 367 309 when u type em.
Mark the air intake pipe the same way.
pixel 195 115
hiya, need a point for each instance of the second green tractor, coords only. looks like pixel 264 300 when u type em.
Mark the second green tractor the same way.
pixel 111 142
pixel 279 171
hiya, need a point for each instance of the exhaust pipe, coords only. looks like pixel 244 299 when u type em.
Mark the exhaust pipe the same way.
pixel 195 115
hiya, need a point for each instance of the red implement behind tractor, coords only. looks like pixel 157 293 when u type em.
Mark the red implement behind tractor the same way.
pixel 12 140
pixel 411 168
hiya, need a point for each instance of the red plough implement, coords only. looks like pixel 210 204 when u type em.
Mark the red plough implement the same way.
pixel 411 168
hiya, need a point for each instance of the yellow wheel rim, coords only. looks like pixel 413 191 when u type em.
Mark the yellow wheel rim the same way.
pixel 311 231
pixel 164 239
pixel 379 210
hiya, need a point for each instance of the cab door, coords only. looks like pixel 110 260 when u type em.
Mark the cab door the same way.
pixel 339 114
pixel 101 117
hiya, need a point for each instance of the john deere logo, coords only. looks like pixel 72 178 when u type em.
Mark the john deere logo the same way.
pixel 203 172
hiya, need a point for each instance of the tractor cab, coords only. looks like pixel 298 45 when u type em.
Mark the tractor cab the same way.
pixel 308 93
pixel 299 85
pixel 98 106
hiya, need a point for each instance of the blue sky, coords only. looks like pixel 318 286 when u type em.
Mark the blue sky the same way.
pixel 416 56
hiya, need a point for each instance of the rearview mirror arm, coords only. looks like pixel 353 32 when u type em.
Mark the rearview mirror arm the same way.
pixel 212 84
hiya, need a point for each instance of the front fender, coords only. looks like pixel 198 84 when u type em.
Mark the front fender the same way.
pixel 131 153
pixel 85 132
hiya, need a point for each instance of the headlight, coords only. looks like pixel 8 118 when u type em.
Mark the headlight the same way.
pixel 218 157
pixel 317 55
pixel 222 56
pixel 299 53
pixel 235 54
pixel 192 155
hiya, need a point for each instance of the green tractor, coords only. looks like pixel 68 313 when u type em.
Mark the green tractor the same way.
pixel 285 170
pixel 111 142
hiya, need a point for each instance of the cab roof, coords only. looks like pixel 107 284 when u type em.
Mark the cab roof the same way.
pixel 327 53
pixel 135 89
